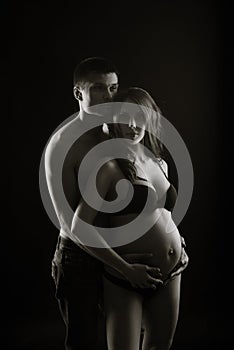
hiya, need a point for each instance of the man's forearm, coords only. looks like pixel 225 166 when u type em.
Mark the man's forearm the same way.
pixel 105 254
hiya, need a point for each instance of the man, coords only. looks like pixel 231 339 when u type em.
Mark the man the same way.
pixel 77 269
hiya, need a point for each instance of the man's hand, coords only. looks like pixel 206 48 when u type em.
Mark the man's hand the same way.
pixel 139 274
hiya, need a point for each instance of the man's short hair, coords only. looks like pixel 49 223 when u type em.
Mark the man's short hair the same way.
pixel 92 65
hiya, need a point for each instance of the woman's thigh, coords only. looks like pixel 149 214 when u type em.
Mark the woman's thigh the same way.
pixel 123 309
pixel 160 316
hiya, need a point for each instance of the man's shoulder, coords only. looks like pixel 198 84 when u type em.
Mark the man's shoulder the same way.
pixel 54 143
pixel 110 168
pixel 56 137
pixel 64 134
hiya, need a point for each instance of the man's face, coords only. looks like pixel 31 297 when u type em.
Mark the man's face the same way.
pixel 99 88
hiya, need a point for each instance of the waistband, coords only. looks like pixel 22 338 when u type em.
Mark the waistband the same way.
pixel 73 250
pixel 68 243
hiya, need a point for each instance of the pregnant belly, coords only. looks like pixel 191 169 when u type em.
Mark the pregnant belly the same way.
pixel 162 240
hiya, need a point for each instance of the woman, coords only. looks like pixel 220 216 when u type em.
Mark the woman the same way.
pixel 130 306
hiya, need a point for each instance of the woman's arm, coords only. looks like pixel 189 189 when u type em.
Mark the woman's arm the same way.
pixel 137 274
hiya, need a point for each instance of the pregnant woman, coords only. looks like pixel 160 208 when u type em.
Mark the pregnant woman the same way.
pixel 131 306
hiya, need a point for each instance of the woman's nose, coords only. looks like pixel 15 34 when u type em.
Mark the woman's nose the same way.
pixel 132 123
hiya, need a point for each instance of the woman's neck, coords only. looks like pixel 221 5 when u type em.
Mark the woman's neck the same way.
pixel 136 153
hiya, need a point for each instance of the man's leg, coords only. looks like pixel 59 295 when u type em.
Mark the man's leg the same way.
pixel 78 285
pixel 82 318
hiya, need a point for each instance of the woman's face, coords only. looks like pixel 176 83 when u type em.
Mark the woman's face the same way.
pixel 131 123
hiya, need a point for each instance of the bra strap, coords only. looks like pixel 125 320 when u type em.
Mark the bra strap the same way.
pixel 160 166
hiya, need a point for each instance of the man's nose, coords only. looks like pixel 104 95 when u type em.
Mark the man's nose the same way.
pixel 107 95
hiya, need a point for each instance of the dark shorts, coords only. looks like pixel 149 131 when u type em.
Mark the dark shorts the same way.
pixel 147 292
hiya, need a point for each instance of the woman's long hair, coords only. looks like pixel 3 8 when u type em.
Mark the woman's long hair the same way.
pixel 152 115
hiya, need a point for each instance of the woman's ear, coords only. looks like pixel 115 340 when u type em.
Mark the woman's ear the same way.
pixel 77 93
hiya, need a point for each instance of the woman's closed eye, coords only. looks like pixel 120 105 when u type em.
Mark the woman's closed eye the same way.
pixel 139 119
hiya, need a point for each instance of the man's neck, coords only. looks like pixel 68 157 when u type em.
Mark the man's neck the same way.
pixel 95 130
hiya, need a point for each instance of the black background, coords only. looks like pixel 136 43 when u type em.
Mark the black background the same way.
pixel 180 52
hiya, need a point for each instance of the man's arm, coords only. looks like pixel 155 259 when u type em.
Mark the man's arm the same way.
pixel 137 274
pixel 52 171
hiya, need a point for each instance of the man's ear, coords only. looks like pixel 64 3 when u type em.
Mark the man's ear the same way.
pixel 77 93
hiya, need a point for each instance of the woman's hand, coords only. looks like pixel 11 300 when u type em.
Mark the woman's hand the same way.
pixel 140 275
pixel 183 263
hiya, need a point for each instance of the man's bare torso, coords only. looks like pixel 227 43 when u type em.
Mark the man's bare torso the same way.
pixel 66 150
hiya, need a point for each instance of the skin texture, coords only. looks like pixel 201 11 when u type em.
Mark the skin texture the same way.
pixel 77 303
pixel 99 88
pixel 128 311
pixel 135 264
